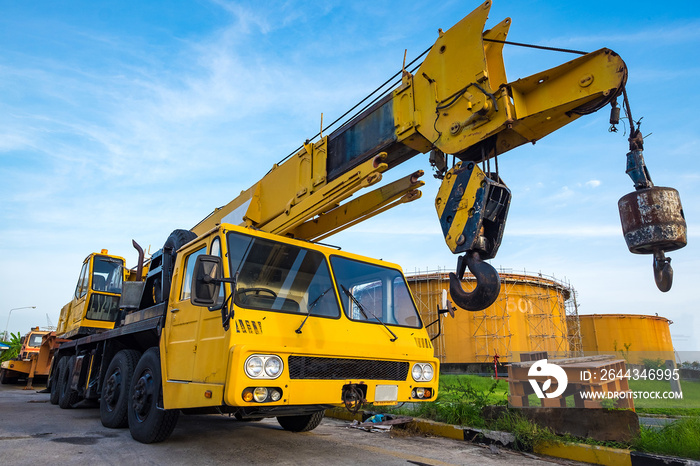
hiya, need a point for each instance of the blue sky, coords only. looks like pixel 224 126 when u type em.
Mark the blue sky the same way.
pixel 123 120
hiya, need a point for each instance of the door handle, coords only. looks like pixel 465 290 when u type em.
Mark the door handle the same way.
pixel 174 310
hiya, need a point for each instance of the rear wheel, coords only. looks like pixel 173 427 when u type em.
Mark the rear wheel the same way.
pixel 66 397
pixel 115 391
pixel 301 423
pixel 148 421
pixel 55 375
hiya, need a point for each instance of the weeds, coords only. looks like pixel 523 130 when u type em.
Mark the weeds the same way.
pixel 680 438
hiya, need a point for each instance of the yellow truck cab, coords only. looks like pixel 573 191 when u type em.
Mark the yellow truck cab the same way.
pixel 273 325
pixel 95 304
pixel 31 342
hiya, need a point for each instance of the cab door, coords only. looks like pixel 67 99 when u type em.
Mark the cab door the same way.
pixel 81 289
pixel 182 321
pixel 211 364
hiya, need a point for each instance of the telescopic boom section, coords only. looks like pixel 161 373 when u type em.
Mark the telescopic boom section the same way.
pixel 458 102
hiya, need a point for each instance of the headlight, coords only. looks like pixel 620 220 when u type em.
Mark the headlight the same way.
pixel 422 372
pixel 428 372
pixel 254 366
pixel 273 367
pixel 263 366
pixel 417 372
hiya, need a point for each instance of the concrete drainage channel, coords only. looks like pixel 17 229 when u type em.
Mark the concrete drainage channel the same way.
pixel 593 454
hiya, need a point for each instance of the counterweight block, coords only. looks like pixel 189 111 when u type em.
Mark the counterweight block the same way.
pixel 653 223
pixel 652 220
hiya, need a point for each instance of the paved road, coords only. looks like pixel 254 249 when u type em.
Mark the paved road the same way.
pixel 34 432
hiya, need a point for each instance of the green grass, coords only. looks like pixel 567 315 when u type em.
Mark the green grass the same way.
pixel 688 406
pixel 680 438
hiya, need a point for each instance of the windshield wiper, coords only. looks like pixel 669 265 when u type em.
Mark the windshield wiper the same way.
pixel 362 310
pixel 311 306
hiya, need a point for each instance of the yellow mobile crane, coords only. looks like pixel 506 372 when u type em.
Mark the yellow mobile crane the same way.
pixel 247 314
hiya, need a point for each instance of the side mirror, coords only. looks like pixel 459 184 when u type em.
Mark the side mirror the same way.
pixel 206 280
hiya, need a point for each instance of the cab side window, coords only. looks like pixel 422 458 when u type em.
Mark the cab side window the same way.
pixel 189 271
pixel 215 250
pixel 81 287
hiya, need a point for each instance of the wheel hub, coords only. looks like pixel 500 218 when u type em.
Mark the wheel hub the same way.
pixel 143 395
pixel 111 390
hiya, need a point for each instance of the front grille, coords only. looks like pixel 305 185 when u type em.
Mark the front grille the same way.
pixel 305 367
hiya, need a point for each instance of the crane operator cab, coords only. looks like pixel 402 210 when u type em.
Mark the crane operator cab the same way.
pixel 95 303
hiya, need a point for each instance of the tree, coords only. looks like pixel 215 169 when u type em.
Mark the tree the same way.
pixel 15 346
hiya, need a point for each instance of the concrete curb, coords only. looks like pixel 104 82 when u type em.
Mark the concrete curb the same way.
pixel 593 454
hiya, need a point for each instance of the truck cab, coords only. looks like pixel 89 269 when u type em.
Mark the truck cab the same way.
pixel 289 327
pixel 31 343
pixel 95 304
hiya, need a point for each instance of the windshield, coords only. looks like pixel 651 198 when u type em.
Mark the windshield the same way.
pixel 381 292
pixel 107 275
pixel 280 277
pixel 35 340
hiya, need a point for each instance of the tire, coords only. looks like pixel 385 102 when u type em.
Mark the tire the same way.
pixel 115 389
pixel 4 379
pixel 301 423
pixel 66 397
pixel 55 376
pixel 148 421
pixel 177 239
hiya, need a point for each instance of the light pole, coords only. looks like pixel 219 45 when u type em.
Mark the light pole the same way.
pixel 8 318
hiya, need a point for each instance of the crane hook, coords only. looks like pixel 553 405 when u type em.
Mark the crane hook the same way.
pixel 488 283
pixel 663 273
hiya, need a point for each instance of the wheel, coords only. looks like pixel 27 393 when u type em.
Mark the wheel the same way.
pixel 66 397
pixel 301 423
pixel 55 376
pixel 4 379
pixel 177 239
pixel 115 390
pixel 148 421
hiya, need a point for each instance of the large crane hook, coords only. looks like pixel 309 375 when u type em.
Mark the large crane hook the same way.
pixel 488 283
pixel 473 206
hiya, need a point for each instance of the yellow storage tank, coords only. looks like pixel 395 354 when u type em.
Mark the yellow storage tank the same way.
pixel 635 337
pixel 529 315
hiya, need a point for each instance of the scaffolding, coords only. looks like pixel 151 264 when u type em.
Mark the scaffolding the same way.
pixel 573 325
pixel 534 312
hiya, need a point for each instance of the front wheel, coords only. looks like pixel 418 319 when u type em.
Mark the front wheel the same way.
pixel 301 423
pixel 115 392
pixel 148 421
pixel 4 379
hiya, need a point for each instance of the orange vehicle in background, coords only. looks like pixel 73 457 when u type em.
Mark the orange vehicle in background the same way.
pixel 33 360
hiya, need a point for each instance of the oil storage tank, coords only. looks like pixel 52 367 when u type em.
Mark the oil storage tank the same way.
pixel 640 339
pixel 529 316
